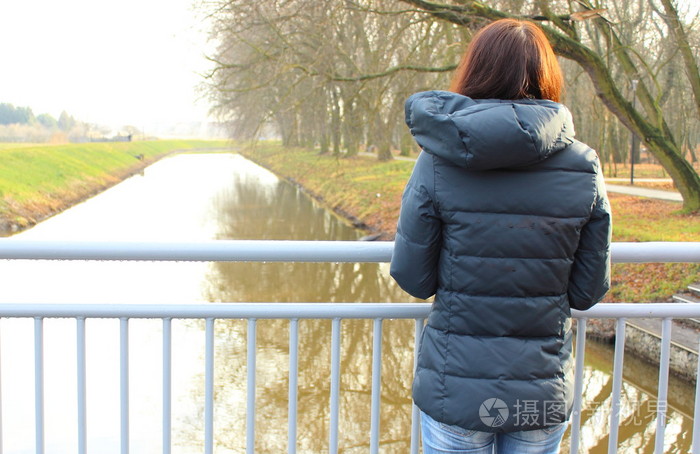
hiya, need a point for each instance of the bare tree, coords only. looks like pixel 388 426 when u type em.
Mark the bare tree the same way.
pixel 611 64
pixel 333 75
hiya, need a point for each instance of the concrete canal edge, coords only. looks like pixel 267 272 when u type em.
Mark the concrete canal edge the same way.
pixel 643 339
pixel 645 343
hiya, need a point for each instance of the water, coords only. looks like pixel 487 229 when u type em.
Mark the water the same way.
pixel 193 197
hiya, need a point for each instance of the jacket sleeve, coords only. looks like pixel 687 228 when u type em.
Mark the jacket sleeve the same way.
pixel 418 234
pixel 590 274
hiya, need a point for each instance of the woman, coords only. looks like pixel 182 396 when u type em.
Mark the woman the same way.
pixel 505 220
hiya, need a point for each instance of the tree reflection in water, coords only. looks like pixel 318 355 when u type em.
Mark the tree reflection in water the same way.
pixel 259 206
pixel 638 414
pixel 313 386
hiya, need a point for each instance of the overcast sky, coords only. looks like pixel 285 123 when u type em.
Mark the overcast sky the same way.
pixel 109 62
pixel 104 61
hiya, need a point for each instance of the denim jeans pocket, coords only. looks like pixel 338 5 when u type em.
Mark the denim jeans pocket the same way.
pixel 439 437
pixel 456 430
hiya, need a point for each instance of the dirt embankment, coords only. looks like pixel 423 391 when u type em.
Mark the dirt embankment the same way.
pixel 16 217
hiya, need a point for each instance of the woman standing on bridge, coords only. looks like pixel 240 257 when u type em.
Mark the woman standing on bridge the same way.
pixel 506 221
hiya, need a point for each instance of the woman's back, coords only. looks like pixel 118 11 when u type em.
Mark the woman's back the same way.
pixel 505 220
pixel 508 204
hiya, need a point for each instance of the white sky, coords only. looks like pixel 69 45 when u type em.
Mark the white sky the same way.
pixel 104 61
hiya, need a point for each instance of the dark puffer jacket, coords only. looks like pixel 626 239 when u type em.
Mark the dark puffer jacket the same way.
pixel 506 220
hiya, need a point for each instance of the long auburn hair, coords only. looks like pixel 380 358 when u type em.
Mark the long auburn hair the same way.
pixel 509 59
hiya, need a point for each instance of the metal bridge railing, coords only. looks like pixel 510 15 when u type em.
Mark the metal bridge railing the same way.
pixel 252 312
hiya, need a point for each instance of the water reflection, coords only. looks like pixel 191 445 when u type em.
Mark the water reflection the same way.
pixel 313 386
pixel 282 211
pixel 221 196
pixel 637 422
pixel 639 405
pixel 277 210
pixel 256 207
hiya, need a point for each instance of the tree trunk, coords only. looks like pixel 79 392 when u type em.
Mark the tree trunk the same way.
pixel 380 137
pixel 691 152
pixel 384 150
pixel 335 123
pixel 352 130
pixel 324 145
pixel 661 146
pixel 406 142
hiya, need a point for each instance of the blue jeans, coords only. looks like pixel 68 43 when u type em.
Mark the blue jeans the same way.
pixel 439 438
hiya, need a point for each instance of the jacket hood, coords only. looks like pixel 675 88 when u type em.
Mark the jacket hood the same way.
pixel 483 134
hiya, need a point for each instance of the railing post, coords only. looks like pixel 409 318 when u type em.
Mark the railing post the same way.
pixel 250 412
pixel 578 384
pixel 661 403
pixel 209 387
pixel 293 381
pixel 335 385
pixel 376 386
pixel 124 382
pixel 415 412
pixel 617 384
pixel 39 383
pixel 167 385
pixel 82 405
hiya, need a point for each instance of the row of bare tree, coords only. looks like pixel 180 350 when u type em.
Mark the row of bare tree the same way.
pixel 335 74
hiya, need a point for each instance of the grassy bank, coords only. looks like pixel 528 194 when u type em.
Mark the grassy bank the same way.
pixel 369 193
pixel 37 181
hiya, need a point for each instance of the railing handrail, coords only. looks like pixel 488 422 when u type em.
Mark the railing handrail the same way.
pixel 262 310
pixel 283 251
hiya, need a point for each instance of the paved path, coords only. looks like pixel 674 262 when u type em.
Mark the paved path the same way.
pixel 645 192
pixel 639 180
pixel 374 155
pixel 621 189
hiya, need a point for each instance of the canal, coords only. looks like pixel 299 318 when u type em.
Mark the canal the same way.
pixel 194 197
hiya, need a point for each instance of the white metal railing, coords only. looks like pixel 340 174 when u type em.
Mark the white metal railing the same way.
pixel 314 252
pixel 284 251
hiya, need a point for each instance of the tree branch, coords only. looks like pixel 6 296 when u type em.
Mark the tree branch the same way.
pixel 691 66
pixel 388 72
pixel 460 15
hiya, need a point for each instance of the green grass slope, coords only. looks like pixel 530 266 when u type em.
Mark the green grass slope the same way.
pixel 37 181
